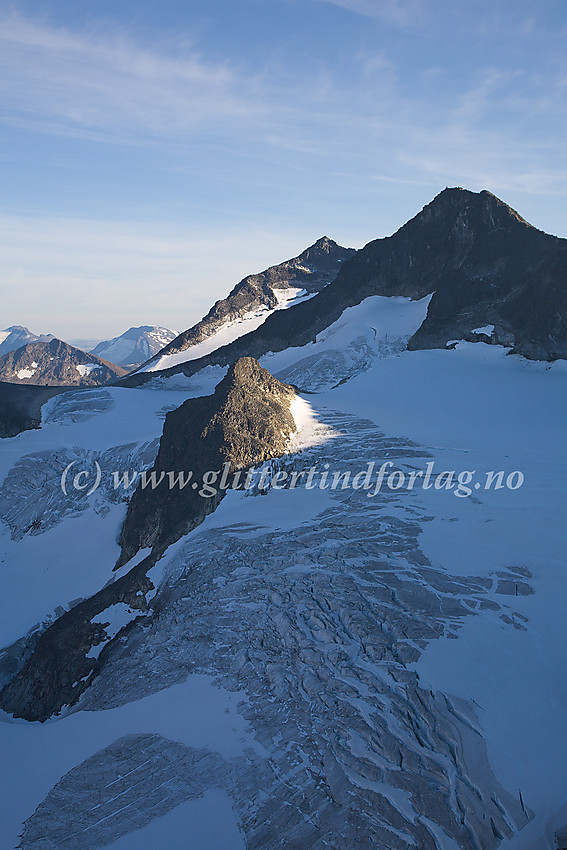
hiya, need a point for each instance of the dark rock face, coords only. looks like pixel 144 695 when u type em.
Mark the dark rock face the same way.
pixel 312 270
pixel 56 363
pixel 59 669
pixel 483 262
pixel 20 407
pixel 245 422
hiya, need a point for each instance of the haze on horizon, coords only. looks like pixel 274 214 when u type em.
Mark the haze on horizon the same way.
pixel 153 156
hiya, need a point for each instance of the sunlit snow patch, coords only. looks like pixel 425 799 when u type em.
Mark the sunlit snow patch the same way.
pixel 27 373
pixel 85 369
pixel 310 430
pixel 487 329
pixel 230 331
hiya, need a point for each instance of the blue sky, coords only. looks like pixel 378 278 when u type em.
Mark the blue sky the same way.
pixel 154 153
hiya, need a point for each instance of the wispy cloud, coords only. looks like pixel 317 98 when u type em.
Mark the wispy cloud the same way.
pixel 327 143
pixel 399 12
pixel 102 83
pixel 107 87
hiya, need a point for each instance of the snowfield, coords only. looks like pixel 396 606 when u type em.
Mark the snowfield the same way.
pixel 85 369
pixel 320 667
pixel 230 331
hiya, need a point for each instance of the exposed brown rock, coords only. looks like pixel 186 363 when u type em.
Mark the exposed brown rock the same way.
pixel 56 363
pixel 245 422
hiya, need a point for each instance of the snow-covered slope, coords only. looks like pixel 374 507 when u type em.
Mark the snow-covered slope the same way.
pixel 229 331
pixel 373 657
pixel 378 327
pixel 392 666
pixel 134 346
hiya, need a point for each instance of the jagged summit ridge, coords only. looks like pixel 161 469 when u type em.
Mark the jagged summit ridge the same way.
pixel 484 266
pixel 476 208
pixel 245 422
pixel 266 291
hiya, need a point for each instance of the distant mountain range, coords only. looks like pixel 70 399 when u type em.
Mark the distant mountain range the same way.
pixel 489 274
pixel 25 359
pixel 134 346
pixel 55 363
pixel 16 336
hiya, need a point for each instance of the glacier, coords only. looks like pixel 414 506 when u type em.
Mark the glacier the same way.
pixel 317 668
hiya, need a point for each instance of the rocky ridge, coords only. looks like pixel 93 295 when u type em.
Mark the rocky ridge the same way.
pixel 312 270
pixel 55 363
pixel 494 278
pixel 246 422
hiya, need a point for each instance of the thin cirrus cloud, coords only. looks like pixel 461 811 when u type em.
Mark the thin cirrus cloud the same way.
pixel 400 12
pixel 107 87
pixel 61 80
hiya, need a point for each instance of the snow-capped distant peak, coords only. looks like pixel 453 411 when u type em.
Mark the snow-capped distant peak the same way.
pixel 16 336
pixel 135 346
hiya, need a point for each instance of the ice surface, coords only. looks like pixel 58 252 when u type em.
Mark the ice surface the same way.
pixel 377 327
pixel 210 821
pixel 36 756
pixel 382 644
pixel 41 573
pixel 230 331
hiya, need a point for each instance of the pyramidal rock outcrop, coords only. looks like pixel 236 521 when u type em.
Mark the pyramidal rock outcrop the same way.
pixel 245 422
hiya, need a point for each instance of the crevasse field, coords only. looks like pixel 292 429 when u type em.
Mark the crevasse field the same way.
pixel 456 609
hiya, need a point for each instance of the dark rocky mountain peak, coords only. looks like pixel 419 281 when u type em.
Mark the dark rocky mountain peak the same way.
pixel 475 209
pixel 245 422
pixel 324 255
pixel 483 264
pixel 311 271
pixel 56 363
